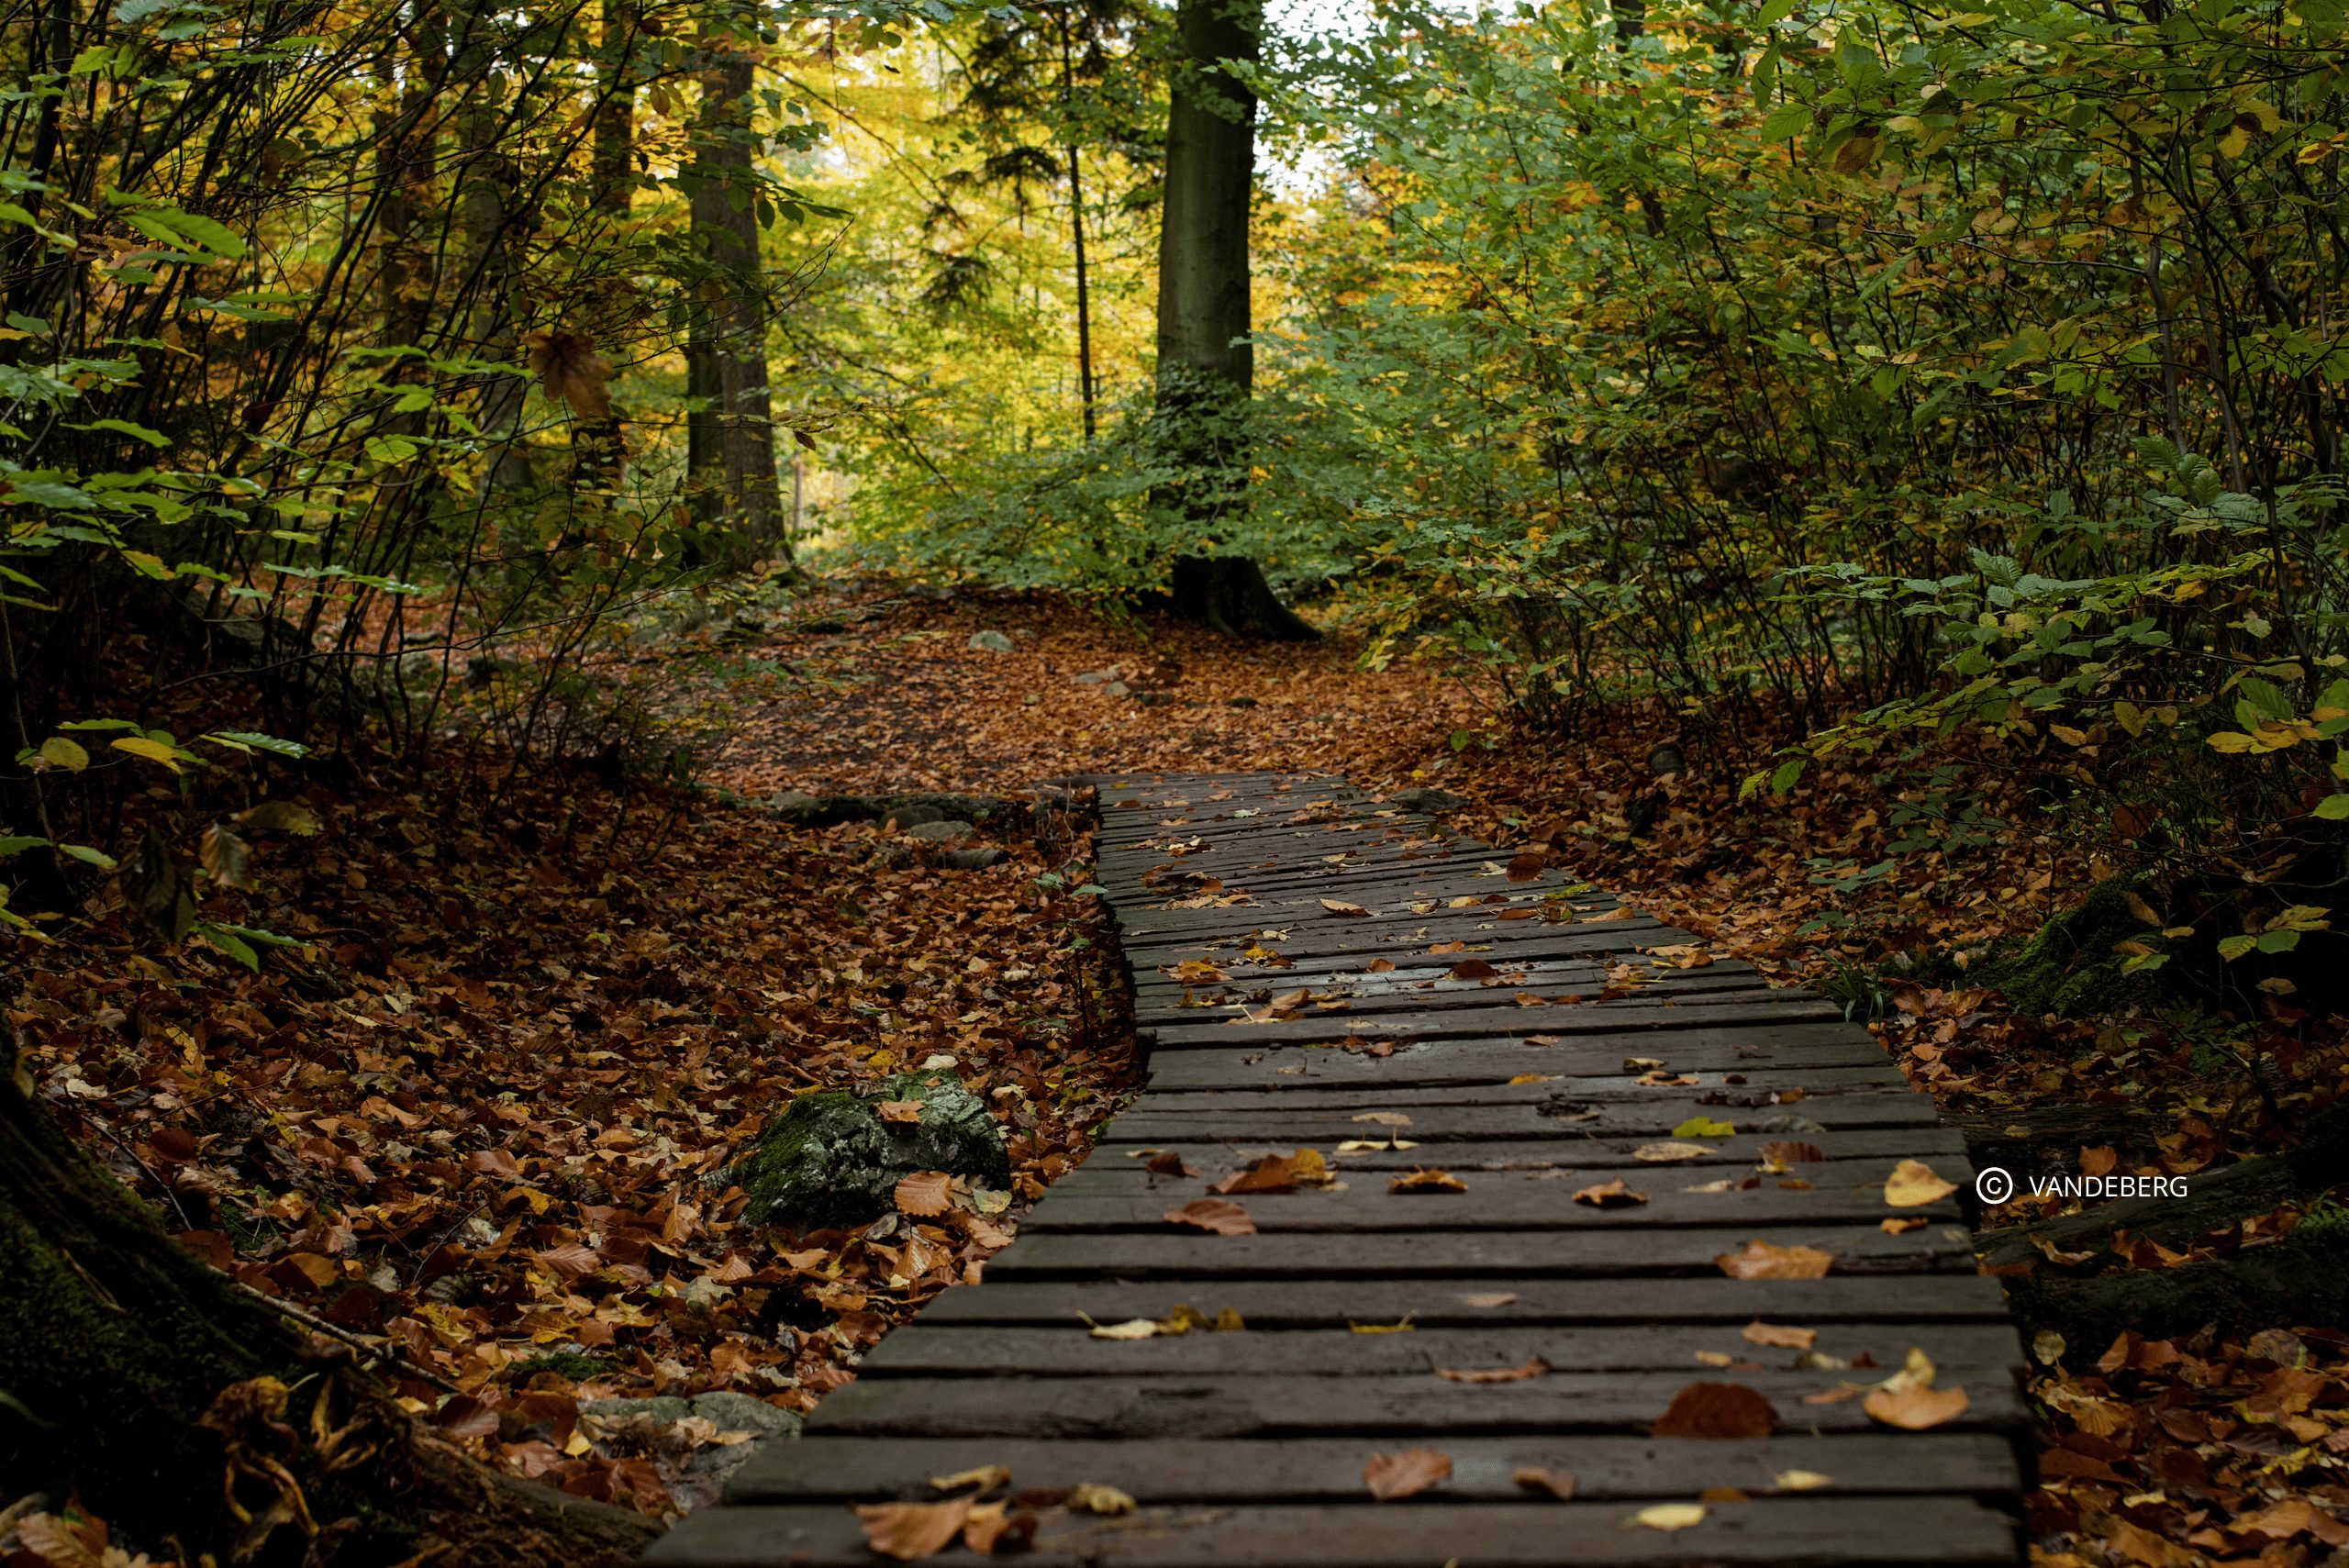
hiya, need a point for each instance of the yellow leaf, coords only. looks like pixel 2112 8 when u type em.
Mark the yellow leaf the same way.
pixel 60 752
pixel 1670 1516
pixel 1913 1184
pixel 153 751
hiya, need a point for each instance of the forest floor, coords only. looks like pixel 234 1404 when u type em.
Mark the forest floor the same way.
pixel 477 1118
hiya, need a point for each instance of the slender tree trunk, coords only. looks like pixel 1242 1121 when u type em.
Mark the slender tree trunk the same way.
pixel 598 445
pixel 487 180
pixel 1206 361
pixel 1076 226
pixel 730 459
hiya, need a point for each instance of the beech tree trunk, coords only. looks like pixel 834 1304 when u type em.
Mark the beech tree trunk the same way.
pixel 1206 362
pixel 730 441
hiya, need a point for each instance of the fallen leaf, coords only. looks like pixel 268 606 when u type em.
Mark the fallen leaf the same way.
pixel 1915 1409
pixel 1385 1119
pixel 983 1480
pixel 1670 1153
pixel 1760 1260
pixel 1913 1184
pixel 1703 1126
pixel 1535 1368
pixel 1472 968
pixel 1404 1475
pixel 911 1531
pixel 993 1527
pixel 1527 867
pixel 1483 1299
pixel 1783 1152
pixel 1670 1516
pixel 1429 1180
pixel 1214 1214
pixel 1610 1194
pixel 1901 1224
pixel 1132 1328
pixel 1780 1335
pixel 925 1193
pixel 1341 906
pixel 1801 1481
pixel 1167 1163
pixel 899 1111
pixel 1717 1410
pixel 1374 1146
pixel 1088 1498
pixel 1559 1483
pixel 1277 1173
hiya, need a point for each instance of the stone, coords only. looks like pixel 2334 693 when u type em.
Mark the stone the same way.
pixel 830 1159
pixel 1095 677
pixel 979 859
pixel 1434 802
pixel 732 1412
pixel 1240 701
pixel 943 832
pixel 990 643
pixel 914 815
pixel 1116 689
pixel 1156 699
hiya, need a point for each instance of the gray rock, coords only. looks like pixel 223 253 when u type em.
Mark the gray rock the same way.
pixel 1240 701
pixel 914 814
pixel 1156 699
pixel 831 1160
pixel 972 859
pixel 1434 802
pixel 943 832
pixel 1095 677
pixel 732 1412
pixel 990 643
pixel 1116 689
pixel 792 802
pixel 825 626
pixel 662 1410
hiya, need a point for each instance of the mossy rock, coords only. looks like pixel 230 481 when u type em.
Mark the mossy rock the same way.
pixel 831 1160
pixel 2068 967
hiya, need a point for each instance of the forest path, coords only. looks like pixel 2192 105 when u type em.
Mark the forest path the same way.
pixel 1317 972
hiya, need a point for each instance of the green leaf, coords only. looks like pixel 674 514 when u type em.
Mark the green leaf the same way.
pixel 252 740
pixel 1786 122
pixel 2279 942
pixel 2333 809
pixel 18 845
pixel 1783 778
pixel 229 942
pixel 2233 948
pixel 60 752
pixel 89 856
pixel 1093 887
pixel 152 751
pixel 124 427
pixel 1701 1125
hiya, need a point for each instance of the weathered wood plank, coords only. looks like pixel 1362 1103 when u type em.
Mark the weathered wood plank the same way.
pixel 1944 1147
pixel 1651 1115
pixel 1790 1532
pixel 1605 1469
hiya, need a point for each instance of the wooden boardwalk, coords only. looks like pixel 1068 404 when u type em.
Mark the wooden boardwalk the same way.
pixel 1276 1023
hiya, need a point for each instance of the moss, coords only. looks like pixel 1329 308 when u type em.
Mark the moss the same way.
pixel 2068 966
pixel 832 1159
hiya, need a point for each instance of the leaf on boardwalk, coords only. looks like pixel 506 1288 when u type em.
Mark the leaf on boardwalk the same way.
pixel 1472 969
pixel 1670 1153
pixel 981 1481
pixel 1213 1214
pixel 1385 1119
pixel 1901 1224
pixel 1527 867
pixel 1670 1516
pixel 1278 1173
pixel 1087 1497
pixel 1701 1125
pixel 1429 1180
pixel 1484 1300
pixel 1167 1163
pixel 1717 1410
pixel 1783 1336
pixel 1801 1481
pixel 1559 1483
pixel 925 1193
pixel 911 1531
pixel 1341 906
pixel 1620 912
pixel 1374 1146
pixel 1610 1194
pixel 1913 1184
pixel 1780 1153
pixel 1404 1475
pixel 1909 1400
pixel 1759 1260
pixel 1537 1367
pixel 1132 1328
pixel 993 1527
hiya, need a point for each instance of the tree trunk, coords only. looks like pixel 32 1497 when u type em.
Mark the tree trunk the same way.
pixel 730 461
pixel 1076 226
pixel 1206 362
pixel 196 1420
pixel 598 445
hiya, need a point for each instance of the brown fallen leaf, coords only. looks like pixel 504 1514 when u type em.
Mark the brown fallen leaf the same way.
pixel 1670 1153
pixel 1487 1299
pixel 1277 1173
pixel 1342 906
pixel 1909 1400
pixel 899 1111
pixel 1527 867
pixel 1404 1475
pixel 1901 1224
pixel 1213 1214
pixel 1167 1163
pixel 1472 969
pixel 983 1480
pixel 1559 1483
pixel 1610 1194
pixel 925 1193
pixel 911 1531
pixel 1429 1180
pixel 1717 1410
pixel 1537 1367
pixel 993 1529
pixel 1380 966
pixel 1783 1152
pixel 1087 1497
pixel 1760 1260
pixel 1783 1336
pixel 1913 1184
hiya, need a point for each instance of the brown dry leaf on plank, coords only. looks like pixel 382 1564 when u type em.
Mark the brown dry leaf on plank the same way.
pixel 1486 1299
pixel 1090 1498
pixel 1167 1163
pixel 1559 1483
pixel 1527 867
pixel 1901 1224
pixel 993 1529
pixel 1784 1152
pixel 1342 906
pixel 911 1531
pixel 1404 1475
pixel 1909 1400
pixel 1537 1367
pixel 1760 1260
pixel 1913 1184
pixel 1429 1180
pixel 1213 1214
pixel 1717 1410
pixel 1472 969
pixel 1670 1516
pixel 1610 1194
pixel 981 1481
pixel 1671 1153
pixel 1783 1336
pixel 925 1193
pixel 1277 1173
pixel 1379 966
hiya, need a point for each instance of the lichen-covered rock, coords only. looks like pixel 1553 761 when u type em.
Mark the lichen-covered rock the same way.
pixel 834 1159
